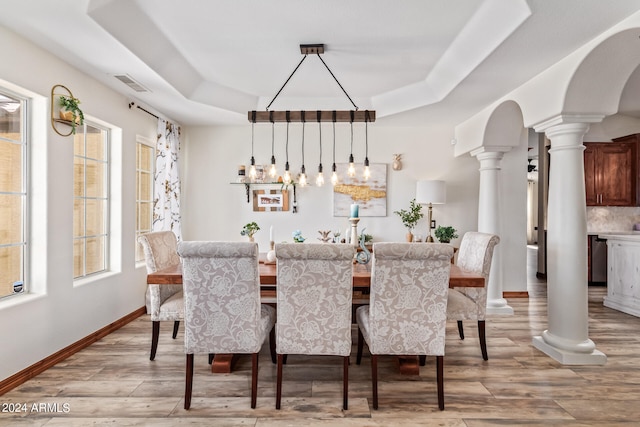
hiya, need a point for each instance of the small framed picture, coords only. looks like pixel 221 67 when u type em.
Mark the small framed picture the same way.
pixel 270 200
pixel 260 173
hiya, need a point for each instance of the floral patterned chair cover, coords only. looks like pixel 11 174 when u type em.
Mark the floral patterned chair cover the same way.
pixel 223 313
pixel 475 255
pixel 164 302
pixel 408 305
pixel 314 292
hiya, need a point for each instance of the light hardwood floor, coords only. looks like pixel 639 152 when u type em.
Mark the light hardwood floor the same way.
pixel 113 382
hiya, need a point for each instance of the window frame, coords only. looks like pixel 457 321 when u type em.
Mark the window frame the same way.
pixel 140 140
pixel 106 209
pixel 24 193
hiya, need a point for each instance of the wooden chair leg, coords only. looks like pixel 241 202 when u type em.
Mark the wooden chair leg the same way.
pixel 374 379
pixel 188 382
pixel 345 383
pixel 422 359
pixel 279 381
pixel 483 339
pixel 460 329
pixel 440 380
pixel 254 379
pixel 155 333
pixel 211 356
pixel 272 345
pixel 176 325
pixel 284 359
pixel 360 345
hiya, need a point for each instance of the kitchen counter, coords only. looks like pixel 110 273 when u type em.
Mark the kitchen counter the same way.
pixel 623 271
pixel 632 236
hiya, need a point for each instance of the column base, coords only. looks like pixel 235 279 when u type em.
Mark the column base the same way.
pixel 499 306
pixel 565 357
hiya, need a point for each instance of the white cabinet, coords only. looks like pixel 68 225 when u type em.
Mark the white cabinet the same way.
pixel 623 278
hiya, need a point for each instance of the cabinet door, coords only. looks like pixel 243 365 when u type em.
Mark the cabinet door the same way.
pixel 590 174
pixel 617 174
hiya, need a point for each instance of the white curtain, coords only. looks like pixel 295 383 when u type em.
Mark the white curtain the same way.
pixel 166 197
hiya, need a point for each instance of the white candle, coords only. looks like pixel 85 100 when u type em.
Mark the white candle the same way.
pixel 354 210
pixel 271 233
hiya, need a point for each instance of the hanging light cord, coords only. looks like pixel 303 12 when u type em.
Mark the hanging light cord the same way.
pixel 333 167
pixel 286 166
pixel 285 83
pixel 334 78
pixel 320 140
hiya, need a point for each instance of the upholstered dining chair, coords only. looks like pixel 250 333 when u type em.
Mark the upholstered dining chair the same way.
pixel 314 293
pixel 475 255
pixel 223 313
pixel 407 312
pixel 163 302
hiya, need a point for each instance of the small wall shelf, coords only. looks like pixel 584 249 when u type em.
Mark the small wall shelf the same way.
pixel 56 92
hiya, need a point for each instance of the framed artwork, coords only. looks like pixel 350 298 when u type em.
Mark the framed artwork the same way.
pixel 370 194
pixel 270 200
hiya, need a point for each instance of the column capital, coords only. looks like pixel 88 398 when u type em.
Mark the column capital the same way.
pixel 556 122
pixel 491 149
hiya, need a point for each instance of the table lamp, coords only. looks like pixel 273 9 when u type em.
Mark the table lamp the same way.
pixel 431 193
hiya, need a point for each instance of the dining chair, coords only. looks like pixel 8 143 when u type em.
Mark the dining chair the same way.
pixel 314 293
pixel 163 302
pixel 407 313
pixel 475 255
pixel 223 313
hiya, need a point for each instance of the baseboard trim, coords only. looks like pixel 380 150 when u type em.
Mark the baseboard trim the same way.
pixel 49 361
pixel 515 294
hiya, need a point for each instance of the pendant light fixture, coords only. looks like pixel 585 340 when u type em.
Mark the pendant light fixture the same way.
pixel 297 116
pixel 252 170
pixel 352 168
pixel 334 174
pixel 320 177
pixel 367 172
pixel 273 172
pixel 287 173
pixel 302 180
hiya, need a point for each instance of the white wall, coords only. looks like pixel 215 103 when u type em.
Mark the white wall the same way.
pixel 215 209
pixel 60 312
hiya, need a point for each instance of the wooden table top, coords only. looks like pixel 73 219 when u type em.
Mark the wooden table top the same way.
pixel 361 276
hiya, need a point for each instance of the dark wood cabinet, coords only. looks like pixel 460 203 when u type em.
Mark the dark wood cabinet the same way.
pixel 611 172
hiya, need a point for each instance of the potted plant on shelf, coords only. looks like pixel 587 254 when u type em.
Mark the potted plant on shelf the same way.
pixel 249 230
pixel 410 217
pixel 445 234
pixel 71 112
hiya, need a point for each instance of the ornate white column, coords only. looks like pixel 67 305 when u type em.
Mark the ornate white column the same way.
pixel 567 338
pixel 489 220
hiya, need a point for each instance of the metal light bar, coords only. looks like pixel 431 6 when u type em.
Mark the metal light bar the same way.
pixel 360 116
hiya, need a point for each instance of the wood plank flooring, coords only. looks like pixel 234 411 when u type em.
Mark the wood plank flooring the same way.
pixel 113 383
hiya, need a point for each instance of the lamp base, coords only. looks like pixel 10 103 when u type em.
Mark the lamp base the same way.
pixel 429 239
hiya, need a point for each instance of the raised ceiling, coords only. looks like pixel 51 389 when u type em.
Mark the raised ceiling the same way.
pixel 210 61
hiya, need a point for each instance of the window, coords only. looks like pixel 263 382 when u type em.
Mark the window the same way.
pixel 13 196
pixel 145 155
pixel 91 202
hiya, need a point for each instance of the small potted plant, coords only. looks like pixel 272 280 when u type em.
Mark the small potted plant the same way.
pixel 249 230
pixel 71 112
pixel 445 234
pixel 410 217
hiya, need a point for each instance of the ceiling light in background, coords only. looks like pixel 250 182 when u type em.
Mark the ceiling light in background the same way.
pixel 367 172
pixel 352 168
pixel 334 174
pixel 273 171
pixel 302 180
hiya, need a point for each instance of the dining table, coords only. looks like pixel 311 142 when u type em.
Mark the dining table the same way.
pixel 223 363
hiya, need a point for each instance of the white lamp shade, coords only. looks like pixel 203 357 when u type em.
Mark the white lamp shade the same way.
pixel 434 192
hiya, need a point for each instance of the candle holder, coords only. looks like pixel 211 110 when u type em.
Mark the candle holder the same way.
pixel 271 255
pixel 354 231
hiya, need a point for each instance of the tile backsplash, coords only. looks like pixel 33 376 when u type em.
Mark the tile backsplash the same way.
pixel 612 218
